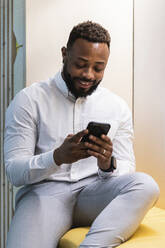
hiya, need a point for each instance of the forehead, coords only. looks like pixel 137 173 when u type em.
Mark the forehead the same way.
pixel 89 50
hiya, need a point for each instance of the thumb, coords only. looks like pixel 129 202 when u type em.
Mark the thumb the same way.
pixel 78 136
pixel 69 136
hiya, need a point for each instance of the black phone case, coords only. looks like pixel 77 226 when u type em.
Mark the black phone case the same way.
pixel 96 129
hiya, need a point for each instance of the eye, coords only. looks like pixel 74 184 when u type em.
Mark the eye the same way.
pixel 98 69
pixel 79 66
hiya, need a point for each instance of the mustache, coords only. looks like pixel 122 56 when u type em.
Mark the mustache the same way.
pixel 85 80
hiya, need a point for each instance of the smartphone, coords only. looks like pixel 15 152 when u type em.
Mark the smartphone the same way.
pixel 96 129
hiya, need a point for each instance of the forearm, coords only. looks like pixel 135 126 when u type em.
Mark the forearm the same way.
pixel 28 170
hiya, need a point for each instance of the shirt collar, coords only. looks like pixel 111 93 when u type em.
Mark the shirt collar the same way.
pixel 61 85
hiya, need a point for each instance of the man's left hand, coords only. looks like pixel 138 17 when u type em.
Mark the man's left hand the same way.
pixel 101 148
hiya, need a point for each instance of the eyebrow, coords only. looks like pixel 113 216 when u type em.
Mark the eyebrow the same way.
pixel 85 60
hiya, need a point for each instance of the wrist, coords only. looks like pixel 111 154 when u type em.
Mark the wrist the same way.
pixel 112 166
pixel 56 156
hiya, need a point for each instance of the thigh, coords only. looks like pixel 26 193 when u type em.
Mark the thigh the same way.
pixel 42 216
pixel 92 200
pixel 96 196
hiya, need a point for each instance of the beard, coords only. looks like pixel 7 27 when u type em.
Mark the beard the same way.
pixel 71 81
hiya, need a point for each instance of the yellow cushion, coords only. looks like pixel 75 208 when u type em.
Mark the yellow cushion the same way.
pixel 150 234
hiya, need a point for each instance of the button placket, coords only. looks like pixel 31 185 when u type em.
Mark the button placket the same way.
pixel 76 129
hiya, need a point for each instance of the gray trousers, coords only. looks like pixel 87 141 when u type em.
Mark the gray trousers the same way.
pixel 113 207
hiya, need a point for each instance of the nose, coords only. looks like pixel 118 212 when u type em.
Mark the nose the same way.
pixel 88 74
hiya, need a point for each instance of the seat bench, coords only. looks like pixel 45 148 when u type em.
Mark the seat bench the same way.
pixel 150 234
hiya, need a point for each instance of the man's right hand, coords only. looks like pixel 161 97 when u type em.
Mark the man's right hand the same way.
pixel 72 149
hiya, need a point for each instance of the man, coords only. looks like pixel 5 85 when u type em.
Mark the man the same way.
pixel 67 182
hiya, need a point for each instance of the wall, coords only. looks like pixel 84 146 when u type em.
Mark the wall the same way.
pixel 149 90
pixel 48 26
pixel 12 79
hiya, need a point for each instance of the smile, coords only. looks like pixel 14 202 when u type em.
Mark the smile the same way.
pixel 84 84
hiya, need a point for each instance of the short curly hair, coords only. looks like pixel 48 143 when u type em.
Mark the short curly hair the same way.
pixel 89 31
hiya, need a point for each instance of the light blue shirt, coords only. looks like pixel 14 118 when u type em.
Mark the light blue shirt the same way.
pixel 41 116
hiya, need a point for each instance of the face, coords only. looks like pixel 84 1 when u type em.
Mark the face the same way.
pixel 84 66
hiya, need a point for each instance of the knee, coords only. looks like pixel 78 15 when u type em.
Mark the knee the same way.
pixel 148 185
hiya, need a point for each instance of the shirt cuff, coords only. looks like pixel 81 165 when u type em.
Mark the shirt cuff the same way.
pixel 103 174
pixel 48 160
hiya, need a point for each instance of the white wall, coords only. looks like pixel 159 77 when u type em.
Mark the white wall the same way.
pixel 50 22
pixel 149 94
pixel 48 26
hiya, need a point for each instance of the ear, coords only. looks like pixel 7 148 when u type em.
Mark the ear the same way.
pixel 64 53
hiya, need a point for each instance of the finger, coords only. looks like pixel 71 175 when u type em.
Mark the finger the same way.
pixel 99 149
pixel 102 143
pixel 77 137
pixel 94 147
pixel 106 138
pixel 96 155
pixel 82 146
pixel 85 154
